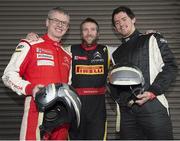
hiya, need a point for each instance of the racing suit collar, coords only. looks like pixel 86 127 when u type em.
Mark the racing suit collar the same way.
pixel 55 43
pixel 131 37
pixel 87 48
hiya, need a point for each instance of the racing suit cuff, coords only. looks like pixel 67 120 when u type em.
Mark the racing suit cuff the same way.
pixel 29 89
pixel 155 90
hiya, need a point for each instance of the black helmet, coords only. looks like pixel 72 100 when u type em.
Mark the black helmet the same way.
pixel 60 104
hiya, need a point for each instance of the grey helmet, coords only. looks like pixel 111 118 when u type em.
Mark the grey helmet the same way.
pixel 60 104
pixel 126 75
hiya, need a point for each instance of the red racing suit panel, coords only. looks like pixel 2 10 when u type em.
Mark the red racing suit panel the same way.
pixel 41 62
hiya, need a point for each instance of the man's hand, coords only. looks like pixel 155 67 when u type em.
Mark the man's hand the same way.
pixel 150 31
pixel 143 98
pixel 31 37
pixel 36 89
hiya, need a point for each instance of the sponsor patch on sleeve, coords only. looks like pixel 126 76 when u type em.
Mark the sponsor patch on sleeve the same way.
pixel 19 48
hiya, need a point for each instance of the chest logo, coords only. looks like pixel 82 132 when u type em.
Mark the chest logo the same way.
pixel 45 63
pixel 89 69
pixel 42 50
pixel 45 56
pixel 97 57
pixel 80 58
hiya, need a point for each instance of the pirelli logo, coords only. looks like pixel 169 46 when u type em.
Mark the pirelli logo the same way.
pixel 89 70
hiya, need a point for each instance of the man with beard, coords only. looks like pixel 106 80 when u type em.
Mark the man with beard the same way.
pixel 90 63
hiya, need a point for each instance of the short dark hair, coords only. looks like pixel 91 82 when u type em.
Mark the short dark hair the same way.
pixel 89 20
pixel 124 9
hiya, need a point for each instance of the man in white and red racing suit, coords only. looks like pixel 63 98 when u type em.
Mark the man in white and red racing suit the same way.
pixel 41 62
pixel 37 64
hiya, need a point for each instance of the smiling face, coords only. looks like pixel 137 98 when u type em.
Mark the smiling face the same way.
pixel 57 24
pixel 89 33
pixel 124 24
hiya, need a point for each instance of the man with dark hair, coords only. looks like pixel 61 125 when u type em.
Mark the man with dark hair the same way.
pixel 148 117
pixel 36 64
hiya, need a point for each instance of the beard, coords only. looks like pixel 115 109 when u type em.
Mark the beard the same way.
pixel 90 42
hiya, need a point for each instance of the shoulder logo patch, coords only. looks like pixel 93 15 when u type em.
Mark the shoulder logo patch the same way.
pixel 18 48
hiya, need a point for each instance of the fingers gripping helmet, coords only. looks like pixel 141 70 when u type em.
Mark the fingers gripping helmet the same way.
pixel 59 104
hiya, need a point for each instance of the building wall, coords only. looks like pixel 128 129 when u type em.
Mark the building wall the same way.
pixel 19 17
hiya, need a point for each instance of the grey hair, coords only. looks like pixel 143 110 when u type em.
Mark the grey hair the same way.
pixel 58 9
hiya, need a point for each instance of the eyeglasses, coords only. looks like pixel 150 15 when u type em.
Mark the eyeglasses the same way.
pixel 56 21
